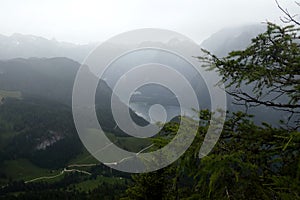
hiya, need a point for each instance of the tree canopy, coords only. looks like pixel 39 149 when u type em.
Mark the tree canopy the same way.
pixel 265 73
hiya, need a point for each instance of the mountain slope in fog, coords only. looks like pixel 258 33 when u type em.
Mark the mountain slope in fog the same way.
pixel 232 38
pixel 26 46
pixel 52 79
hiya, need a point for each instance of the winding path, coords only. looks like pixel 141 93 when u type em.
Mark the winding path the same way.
pixel 66 170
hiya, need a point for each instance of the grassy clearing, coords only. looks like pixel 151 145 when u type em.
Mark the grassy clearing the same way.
pixel 132 144
pixel 22 169
pixel 11 94
pixel 92 184
pixel 84 158
pixel 106 151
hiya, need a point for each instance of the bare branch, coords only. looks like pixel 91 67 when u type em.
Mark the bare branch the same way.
pixel 250 99
pixel 289 18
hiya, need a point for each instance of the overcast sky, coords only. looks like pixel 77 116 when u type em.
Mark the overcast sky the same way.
pixel 84 21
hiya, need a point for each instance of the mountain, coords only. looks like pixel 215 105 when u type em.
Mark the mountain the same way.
pixel 146 96
pixel 52 79
pixel 47 83
pixel 37 132
pixel 232 38
pixel 26 46
pixel 46 78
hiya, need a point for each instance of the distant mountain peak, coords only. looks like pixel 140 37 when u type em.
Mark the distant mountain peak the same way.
pixel 232 38
pixel 20 45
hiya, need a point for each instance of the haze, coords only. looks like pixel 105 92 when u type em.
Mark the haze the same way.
pixel 84 21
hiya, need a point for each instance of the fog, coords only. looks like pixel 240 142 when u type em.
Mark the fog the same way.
pixel 84 21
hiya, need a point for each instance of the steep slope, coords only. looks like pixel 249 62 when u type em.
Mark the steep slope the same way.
pixel 52 80
pixel 232 38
